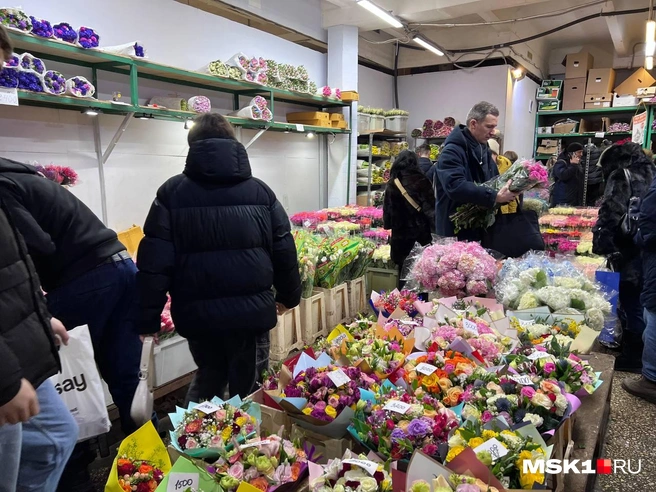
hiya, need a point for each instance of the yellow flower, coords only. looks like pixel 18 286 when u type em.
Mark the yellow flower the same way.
pixel 226 433
pixel 331 412
pixel 307 411
pixel 475 442
pixel 453 452
pixel 240 421
pixel 489 434
pixel 527 481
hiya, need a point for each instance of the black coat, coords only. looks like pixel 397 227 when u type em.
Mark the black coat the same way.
pixel 64 237
pixel 218 240
pixel 462 164
pixel 647 242
pixel 567 183
pixel 27 348
pixel 595 178
pixel 608 239
pixel 425 164
pixel 408 225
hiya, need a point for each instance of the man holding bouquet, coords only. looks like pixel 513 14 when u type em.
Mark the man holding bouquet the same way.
pixel 464 163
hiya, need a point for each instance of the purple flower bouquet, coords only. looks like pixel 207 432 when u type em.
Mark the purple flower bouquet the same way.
pixel 54 83
pixel 9 77
pixel 15 19
pixel 87 38
pixel 14 61
pixel 30 81
pixel 29 62
pixel 199 104
pixel 65 32
pixel 80 87
pixel 42 28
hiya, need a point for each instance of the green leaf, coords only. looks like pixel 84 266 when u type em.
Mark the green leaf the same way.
pixel 578 304
pixel 540 280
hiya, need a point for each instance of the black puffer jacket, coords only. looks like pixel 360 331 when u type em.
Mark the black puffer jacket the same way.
pixel 406 223
pixel 647 241
pixel 608 239
pixel 218 240
pixel 27 348
pixel 64 237
pixel 462 164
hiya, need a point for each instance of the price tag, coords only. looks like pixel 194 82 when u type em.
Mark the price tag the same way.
pixel 339 378
pixel 8 97
pixel 300 128
pixel 525 323
pixel 494 447
pixel 523 379
pixel 337 341
pixel 255 444
pixel 397 406
pixel 207 407
pixel 426 369
pixel 600 135
pixel 179 482
pixel 539 355
pixel 370 466
pixel 470 326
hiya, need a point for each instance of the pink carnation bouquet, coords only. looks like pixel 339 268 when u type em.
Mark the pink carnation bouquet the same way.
pixel 523 175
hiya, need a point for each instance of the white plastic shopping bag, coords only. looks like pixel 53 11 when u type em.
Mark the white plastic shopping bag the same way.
pixel 79 384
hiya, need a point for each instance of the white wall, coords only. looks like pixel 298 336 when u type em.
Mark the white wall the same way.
pixel 152 151
pixel 520 116
pixel 376 88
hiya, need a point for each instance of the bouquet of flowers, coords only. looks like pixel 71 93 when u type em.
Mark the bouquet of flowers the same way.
pixel 199 104
pixel 9 77
pixel 167 328
pixel 335 255
pixel 375 355
pixel 29 81
pixel 455 269
pixel 218 68
pixel 13 62
pixel 138 475
pixel 266 464
pixel 363 258
pixel 62 175
pixel 65 32
pixel 15 19
pixel 307 249
pixel 536 332
pixel 133 49
pixel 347 475
pixel 54 82
pixel 382 257
pixel 41 28
pixel 524 174
pixel 88 38
pixel 388 302
pixel 29 62
pixel 80 87
pixel 427 129
pixel 397 423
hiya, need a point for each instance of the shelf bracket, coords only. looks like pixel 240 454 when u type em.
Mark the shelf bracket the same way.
pixel 256 137
pixel 117 136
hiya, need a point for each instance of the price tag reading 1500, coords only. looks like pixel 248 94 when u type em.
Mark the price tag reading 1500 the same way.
pixel 179 482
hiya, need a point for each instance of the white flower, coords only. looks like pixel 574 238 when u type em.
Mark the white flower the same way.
pixel 561 404
pixel 536 330
pixel 556 298
pixel 595 319
pixel 534 419
pixel 568 283
pixel 456 439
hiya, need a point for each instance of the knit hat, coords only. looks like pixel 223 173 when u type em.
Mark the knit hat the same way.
pixel 574 147
pixel 494 146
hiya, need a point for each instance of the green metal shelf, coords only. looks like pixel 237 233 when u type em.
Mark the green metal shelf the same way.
pixel 571 135
pixel 631 109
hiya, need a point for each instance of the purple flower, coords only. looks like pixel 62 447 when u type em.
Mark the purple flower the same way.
pixel 549 367
pixel 527 391
pixel 398 434
pixel 14 61
pixel 419 428
pixel 16 19
pixel 65 32
pixel 41 28
pixel 9 77
pixel 54 82
pixel 30 82
pixel 139 51
pixel 88 38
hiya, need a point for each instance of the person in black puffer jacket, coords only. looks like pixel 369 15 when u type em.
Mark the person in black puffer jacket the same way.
pixel 621 250
pixel 217 240
pixel 408 224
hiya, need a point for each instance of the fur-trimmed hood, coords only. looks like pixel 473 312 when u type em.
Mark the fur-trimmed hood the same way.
pixel 628 155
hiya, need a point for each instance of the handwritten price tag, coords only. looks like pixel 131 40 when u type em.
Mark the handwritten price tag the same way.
pixel 339 378
pixel 538 355
pixel 8 97
pixel 523 380
pixel 426 369
pixel 337 341
pixel 525 323
pixel 255 444
pixel 396 406
pixel 370 466
pixel 182 482
pixel 494 447
pixel 470 326
pixel 207 407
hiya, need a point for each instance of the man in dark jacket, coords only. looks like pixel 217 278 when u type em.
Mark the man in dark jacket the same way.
pixel 425 164
pixel 567 175
pixel 645 386
pixel 465 162
pixel 217 240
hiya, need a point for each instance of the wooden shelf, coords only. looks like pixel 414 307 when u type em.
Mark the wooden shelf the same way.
pixel 574 135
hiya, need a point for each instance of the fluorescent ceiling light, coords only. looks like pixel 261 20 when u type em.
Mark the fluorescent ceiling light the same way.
pixel 649 63
pixel 425 44
pixel 383 14
pixel 650 38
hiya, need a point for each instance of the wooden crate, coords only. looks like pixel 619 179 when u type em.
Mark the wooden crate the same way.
pixel 337 305
pixel 381 279
pixel 313 318
pixel 563 444
pixel 286 336
pixel 357 295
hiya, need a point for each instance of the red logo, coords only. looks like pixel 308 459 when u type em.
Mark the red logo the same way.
pixel 604 466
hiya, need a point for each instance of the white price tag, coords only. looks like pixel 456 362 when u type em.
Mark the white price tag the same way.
pixel 470 326
pixel 600 135
pixel 525 323
pixel 494 447
pixel 539 355
pixel 179 482
pixel 300 128
pixel 397 406
pixel 523 379
pixel 337 341
pixel 8 97
pixel 370 466
pixel 255 444
pixel 339 378
pixel 426 369
pixel 207 407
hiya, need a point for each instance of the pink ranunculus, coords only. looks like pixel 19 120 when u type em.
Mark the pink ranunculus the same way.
pixel 528 392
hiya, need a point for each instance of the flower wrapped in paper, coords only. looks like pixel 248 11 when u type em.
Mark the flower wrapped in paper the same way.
pixel 523 176
pixel 88 38
pixel 64 32
pixel 218 68
pixel 141 462
pixel 80 87
pixel 388 302
pixel 9 77
pixel 133 49
pixel 41 28
pixel 15 19
pixel 336 253
pixel 352 472
pixel 62 175
pixel 31 63
pixel 199 104
pixel 204 430
pixel 30 81
pixel 54 82
pixel 307 250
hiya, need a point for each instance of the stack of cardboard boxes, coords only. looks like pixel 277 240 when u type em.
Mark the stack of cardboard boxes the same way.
pixel 577 66
pixel 319 118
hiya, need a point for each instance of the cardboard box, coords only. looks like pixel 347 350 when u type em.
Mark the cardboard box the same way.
pixel 625 101
pixel 349 96
pixel 341 125
pixel 596 104
pixel 314 115
pixel 549 105
pixel 336 117
pixel 547 150
pixel 548 94
pixel 600 81
pixel 645 92
pixel 327 447
pixel 639 79
pixel 544 129
pixel 592 125
pixel 552 83
pixel 565 126
pixel 574 94
pixel 578 64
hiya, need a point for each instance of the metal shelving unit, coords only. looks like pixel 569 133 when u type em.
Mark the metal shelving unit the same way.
pixel 370 136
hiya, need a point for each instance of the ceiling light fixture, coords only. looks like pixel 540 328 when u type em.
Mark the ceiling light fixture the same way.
pixel 189 124
pixel 518 73
pixel 382 14
pixel 650 44
pixel 309 135
pixel 429 46
pixel 92 112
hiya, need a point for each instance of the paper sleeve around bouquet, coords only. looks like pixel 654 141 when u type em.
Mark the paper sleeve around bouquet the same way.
pixel 186 467
pixel 133 50
pixel 15 19
pixel 144 444
pixel 79 86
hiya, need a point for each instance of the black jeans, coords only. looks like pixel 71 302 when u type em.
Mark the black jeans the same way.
pixel 229 361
